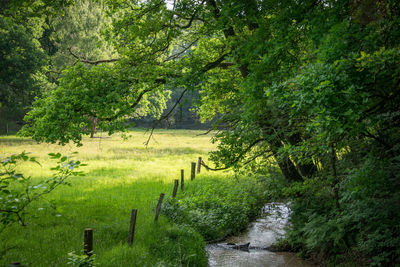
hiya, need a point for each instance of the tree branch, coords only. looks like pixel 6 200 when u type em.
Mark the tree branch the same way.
pixel 96 62
pixel 191 18
pixel 155 123
pixel 185 48
pixel 133 105
pixel 239 157
pixel 207 132
pixel 214 64
pixel 227 167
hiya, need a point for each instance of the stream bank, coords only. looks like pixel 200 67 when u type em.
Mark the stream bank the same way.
pixel 261 234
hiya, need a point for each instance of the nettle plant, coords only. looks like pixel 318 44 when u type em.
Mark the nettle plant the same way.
pixel 17 191
pixel 81 260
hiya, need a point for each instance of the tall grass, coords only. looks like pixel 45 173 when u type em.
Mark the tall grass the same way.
pixel 121 174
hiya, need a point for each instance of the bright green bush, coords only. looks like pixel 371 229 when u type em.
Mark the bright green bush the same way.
pixel 218 207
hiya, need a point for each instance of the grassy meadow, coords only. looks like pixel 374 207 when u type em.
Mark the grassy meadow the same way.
pixel 121 174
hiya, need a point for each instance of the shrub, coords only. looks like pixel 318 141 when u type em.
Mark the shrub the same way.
pixel 218 207
pixel 365 230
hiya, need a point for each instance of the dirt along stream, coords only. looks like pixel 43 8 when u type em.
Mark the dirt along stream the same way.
pixel 260 234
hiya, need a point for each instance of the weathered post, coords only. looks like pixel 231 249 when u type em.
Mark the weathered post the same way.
pixel 193 170
pixel 132 226
pixel 176 184
pixel 182 180
pixel 198 165
pixel 88 242
pixel 158 209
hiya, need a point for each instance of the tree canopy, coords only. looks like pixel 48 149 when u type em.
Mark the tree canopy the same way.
pixel 312 86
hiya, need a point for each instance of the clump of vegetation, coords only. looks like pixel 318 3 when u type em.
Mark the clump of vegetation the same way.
pixel 17 191
pixel 363 230
pixel 81 260
pixel 217 208
pixel 161 244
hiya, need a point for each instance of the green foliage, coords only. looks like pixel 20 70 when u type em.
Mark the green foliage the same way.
pixel 86 94
pixel 186 243
pixel 217 208
pixel 77 33
pixel 353 104
pixel 81 260
pixel 18 191
pixel 364 225
pixel 165 244
pixel 312 86
pixel 23 61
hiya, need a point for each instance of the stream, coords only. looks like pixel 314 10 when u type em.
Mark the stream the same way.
pixel 261 234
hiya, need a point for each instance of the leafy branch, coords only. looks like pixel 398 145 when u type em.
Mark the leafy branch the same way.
pixel 17 192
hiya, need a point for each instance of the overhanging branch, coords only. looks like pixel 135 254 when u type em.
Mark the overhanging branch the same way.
pixel 96 62
pixel 230 166
pixel 155 123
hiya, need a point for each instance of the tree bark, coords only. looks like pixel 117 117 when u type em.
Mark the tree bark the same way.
pixel 306 170
pixel 93 128
pixel 286 165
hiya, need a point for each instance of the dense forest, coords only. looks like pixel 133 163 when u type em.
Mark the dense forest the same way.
pixel 311 88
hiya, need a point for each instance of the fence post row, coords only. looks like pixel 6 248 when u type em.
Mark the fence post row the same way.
pixel 193 170
pixel 132 226
pixel 88 235
pixel 158 209
pixel 88 242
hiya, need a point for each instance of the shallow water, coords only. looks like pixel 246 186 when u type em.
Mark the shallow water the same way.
pixel 261 234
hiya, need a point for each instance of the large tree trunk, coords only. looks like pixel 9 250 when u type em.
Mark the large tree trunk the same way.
pixel 286 165
pixel 306 170
pixel 289 170
pixel 93 128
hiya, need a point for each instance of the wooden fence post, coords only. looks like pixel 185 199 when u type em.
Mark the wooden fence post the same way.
pixel 182 180
pixel 193 170
pixel 88 242
pixel 132 226
pixel 198 165
pixel 176 184
pixel 158 209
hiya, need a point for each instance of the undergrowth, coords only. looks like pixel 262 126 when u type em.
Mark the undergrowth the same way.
pixel 217 208
pixel 363 229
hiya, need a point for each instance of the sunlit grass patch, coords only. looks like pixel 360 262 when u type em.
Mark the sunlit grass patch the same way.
pixel 120 175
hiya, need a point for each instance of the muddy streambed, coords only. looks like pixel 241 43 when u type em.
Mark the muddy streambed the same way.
pixel 261 234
